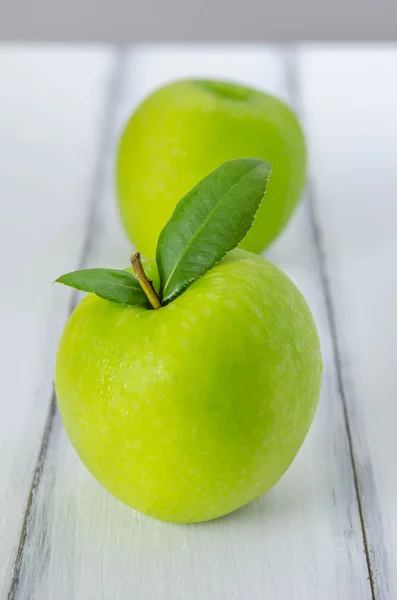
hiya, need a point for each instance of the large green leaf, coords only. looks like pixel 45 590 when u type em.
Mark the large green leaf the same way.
pixel 209 222
pixel 117 286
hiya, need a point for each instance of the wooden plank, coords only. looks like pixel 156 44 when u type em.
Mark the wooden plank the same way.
pixel 303 540
pixel 51 104
pixel 350 99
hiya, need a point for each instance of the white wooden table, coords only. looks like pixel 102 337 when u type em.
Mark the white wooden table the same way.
pixel 328 530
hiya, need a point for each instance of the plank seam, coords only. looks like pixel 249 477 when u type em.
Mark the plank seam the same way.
pixel 114 86
pixel 295 96
pixel 325 284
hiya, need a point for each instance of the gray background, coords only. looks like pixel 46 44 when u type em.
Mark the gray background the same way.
pixel 197 20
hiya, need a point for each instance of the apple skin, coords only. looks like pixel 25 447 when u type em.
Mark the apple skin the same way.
pixel 184 131
pixel 188 412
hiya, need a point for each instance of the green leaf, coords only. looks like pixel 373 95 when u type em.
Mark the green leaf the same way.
pixel 117 286
pixel 209 222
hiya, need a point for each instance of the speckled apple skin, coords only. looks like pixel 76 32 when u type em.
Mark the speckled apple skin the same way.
pixel 187 129
pixel 191 411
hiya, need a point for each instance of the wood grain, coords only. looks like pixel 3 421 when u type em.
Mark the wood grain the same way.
pixel 303 540
pixel 50 105
pixel 349 100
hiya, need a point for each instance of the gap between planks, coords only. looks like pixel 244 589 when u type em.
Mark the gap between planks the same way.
pixel 294 93
pixel 114 88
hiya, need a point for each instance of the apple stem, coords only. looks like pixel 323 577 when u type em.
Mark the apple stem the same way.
pixel 144 282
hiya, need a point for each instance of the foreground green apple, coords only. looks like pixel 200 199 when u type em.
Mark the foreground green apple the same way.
pixel 187 129
pixel 190 411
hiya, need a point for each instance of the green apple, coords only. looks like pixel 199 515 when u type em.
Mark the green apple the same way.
pixel 185 130
pixel 188 390
pixel 188 412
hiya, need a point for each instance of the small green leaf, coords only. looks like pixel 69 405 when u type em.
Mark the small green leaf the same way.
pixel 209 222
pixel 117 286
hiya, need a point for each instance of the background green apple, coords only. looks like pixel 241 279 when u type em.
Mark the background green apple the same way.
pixel 190 411
pixel 185 130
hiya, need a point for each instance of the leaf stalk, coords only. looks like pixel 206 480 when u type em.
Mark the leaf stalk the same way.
pixel 144 282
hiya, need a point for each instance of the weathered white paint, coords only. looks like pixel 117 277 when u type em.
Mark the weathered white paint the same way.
pixel 303 540
pixel 51 104
pixel 350 105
